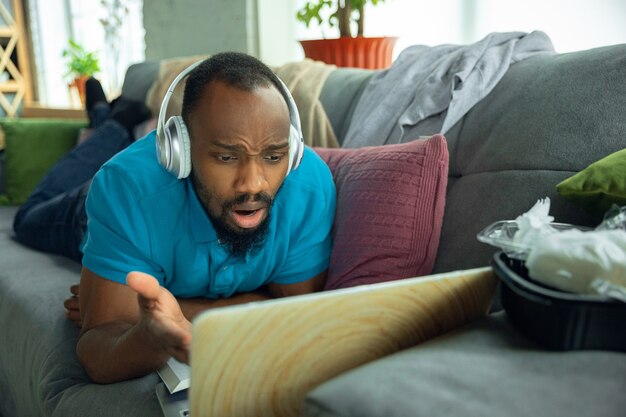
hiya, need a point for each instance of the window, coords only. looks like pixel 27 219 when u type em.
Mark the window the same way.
pixel 111 28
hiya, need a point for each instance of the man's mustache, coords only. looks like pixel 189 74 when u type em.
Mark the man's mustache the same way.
pixel 243 198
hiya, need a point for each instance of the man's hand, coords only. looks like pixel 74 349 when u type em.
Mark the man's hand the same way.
pixel 72 307
pixel 161 316
pixel 129 330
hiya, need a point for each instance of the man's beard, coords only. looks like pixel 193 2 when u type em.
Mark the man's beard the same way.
pixel 241 242
pixel 238 242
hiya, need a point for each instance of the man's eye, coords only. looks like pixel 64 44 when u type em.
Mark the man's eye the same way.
pixel 226 158
pixel 274 157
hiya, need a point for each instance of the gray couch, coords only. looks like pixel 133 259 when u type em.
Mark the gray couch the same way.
pixel 549 117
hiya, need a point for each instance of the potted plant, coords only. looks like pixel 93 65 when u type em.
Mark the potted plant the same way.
pixel 81 65
pixel 351 49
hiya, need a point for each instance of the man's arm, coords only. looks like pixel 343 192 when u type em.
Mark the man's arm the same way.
pixel 314 284
pixel 131 330
pixel 128 330
pixel 191 307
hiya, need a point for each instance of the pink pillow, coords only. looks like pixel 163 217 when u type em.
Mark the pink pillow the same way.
pixel 390 203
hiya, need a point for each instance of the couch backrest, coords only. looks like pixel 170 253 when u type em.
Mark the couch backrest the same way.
pixel 340 94
pixel 138 79
pixel 549 117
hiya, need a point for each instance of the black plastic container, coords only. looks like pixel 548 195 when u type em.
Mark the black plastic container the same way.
pixel 556 319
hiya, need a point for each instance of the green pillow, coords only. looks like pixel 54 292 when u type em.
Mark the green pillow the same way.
pixel 32 146
pixel 598 186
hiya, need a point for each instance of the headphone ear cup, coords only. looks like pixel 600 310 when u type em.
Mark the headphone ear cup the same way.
pixel 180 159
pixel 173 143
pixel 295 149
pixel 185 166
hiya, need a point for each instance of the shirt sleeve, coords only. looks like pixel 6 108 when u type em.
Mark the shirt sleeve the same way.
pixel 117 240
pixel 311 244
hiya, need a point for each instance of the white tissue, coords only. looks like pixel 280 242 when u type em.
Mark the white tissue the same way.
pixel 533 224
pixel 572 260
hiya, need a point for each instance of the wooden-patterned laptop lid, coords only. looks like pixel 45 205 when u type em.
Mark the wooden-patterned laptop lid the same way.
pixel 261 359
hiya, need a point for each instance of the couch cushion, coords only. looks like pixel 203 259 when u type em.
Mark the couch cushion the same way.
pixel 484 369
pixel 390 202
pixel 599 186
pixel 32 147
pixel 39 372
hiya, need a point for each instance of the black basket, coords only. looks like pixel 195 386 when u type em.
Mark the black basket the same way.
pixel 557 319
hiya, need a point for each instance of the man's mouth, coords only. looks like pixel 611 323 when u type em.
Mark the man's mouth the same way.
pixel 248 218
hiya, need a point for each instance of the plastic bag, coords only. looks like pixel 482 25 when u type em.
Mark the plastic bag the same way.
pixel 581 262
pixel 515 237
pixel 563 256
pixel 614 218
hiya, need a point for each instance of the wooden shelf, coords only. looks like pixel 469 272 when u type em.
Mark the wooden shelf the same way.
pixel 6 32
pixel 34 110
pixel 14 59
pixel 11 86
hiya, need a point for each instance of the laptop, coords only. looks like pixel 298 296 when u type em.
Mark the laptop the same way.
pixel 262 358
pixel 172 390
pixel 173 404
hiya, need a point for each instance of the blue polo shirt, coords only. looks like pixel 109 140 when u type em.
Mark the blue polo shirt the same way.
pixel 141 218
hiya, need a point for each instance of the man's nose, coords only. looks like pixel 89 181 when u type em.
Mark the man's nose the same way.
pixel 251 178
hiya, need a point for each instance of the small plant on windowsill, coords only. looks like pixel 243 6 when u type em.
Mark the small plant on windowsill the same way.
pixel 351 49
pixel 81 65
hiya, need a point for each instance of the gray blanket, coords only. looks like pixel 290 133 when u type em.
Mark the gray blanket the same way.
pixel 428 89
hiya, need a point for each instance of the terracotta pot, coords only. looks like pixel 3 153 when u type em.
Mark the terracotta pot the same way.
pixel 359 52
pixel 79 84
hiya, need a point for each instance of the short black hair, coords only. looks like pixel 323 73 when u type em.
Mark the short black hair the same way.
pixel 235 69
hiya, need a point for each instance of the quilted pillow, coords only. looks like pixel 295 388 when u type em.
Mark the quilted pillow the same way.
pixel 599 186
pixel 390 203
pixel 32 147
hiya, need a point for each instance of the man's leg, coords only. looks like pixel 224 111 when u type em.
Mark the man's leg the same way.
pixel 96 103
pixel 56 225
pixel 53 218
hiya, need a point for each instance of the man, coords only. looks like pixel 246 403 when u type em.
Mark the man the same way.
pixel 158 250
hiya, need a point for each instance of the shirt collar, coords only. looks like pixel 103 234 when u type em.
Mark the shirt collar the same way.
pixel 201 226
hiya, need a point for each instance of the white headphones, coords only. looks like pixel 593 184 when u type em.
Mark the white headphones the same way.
pixel 173 145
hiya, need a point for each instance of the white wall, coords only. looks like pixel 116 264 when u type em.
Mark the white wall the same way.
pixel 192 27
pixel 277 25
pixel 263 28
pixel 571 24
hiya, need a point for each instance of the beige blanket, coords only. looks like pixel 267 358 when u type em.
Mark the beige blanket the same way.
pixel 304 79
pixel 168 70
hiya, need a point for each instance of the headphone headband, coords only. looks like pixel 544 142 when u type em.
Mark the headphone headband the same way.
pixel 169 93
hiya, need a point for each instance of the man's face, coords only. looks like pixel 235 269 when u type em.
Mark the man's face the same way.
pixel 239 154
